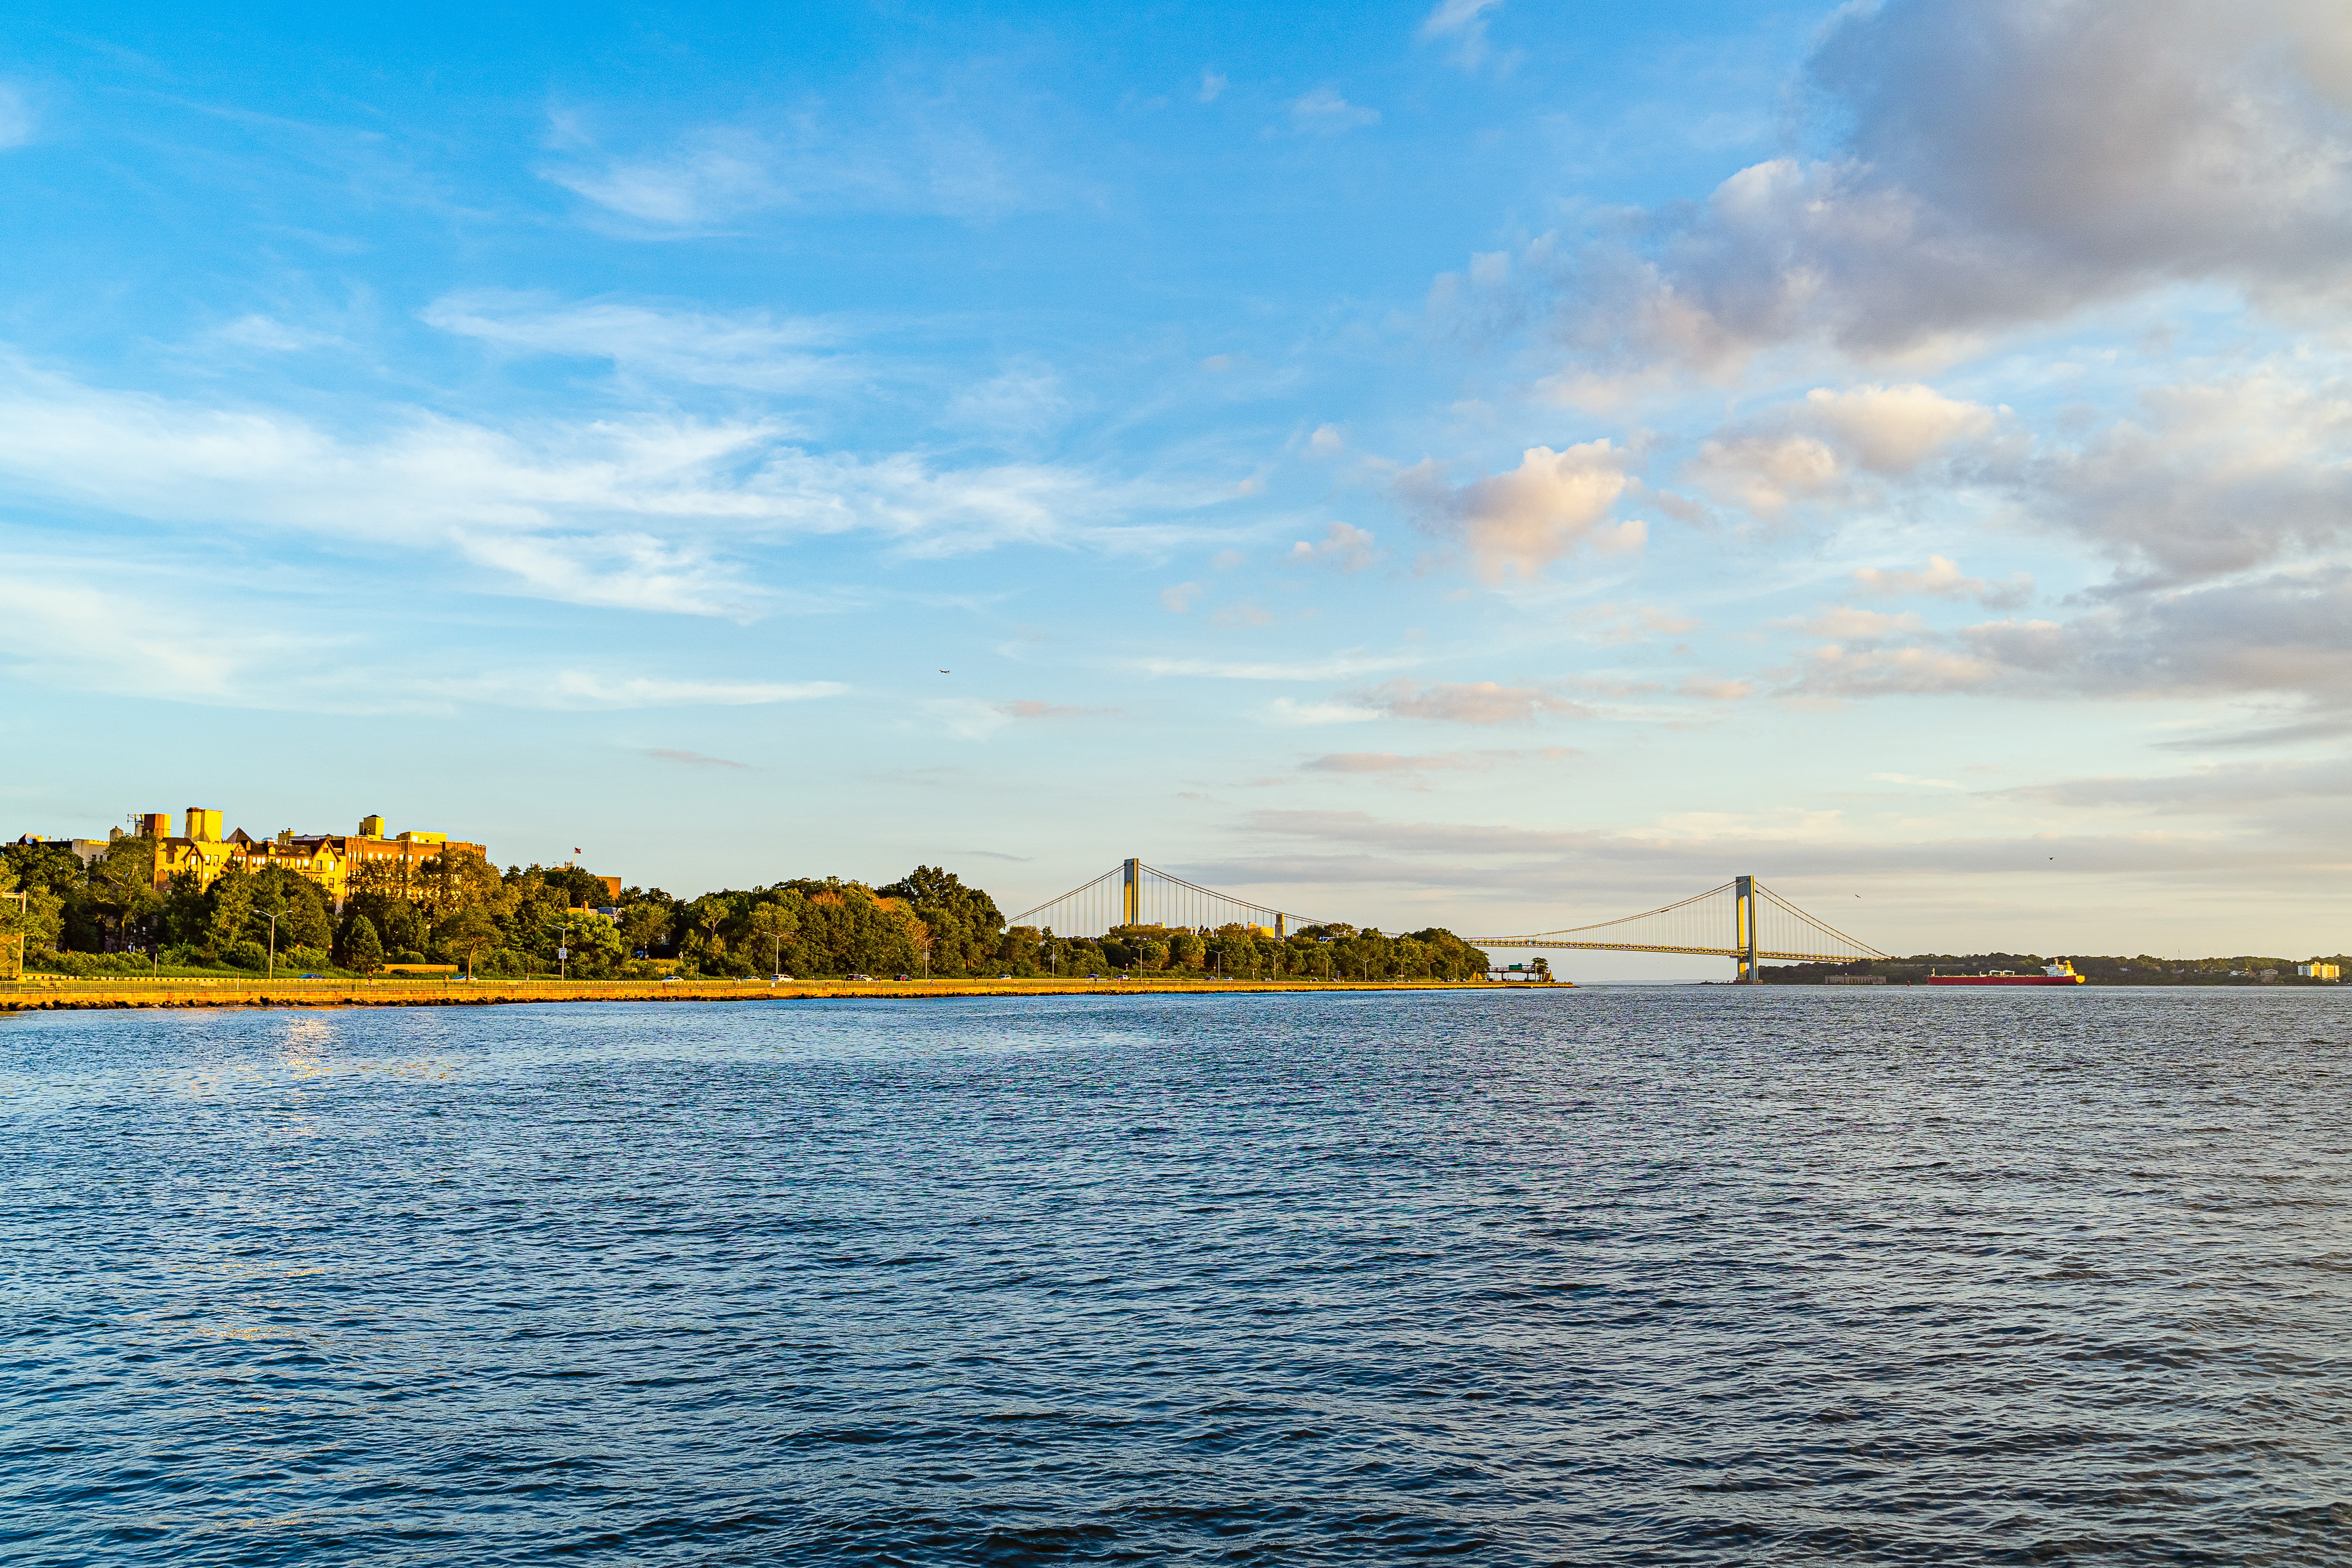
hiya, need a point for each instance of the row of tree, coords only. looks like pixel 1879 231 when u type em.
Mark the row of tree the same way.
pixel 2146 968
pixel 110 916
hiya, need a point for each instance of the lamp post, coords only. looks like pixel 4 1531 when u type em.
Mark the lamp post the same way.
pixel 272 973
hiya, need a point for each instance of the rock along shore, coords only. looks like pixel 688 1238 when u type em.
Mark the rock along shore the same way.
pixel 42 994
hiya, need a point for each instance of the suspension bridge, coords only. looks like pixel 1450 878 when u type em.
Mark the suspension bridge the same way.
pixel 1742 920
pixel 1134 894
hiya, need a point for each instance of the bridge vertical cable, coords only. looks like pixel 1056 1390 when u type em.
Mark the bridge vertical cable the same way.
pixel 1707 923
pixel 1161 898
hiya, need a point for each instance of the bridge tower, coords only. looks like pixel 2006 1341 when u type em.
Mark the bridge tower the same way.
pixel 1130 901
pixel 1743 903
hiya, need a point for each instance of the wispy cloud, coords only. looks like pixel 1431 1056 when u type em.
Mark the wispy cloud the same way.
pixel 1942 579
pixel 1333 667
pixel 1323 112
pixel 1467 703
pixel 692 759
pixel 1030 709
pixel 1394 763
pixel 17 121
pixel 1461 24
pixel 1343 546
pixel 753 351
pixel 907 154
pixel 645 513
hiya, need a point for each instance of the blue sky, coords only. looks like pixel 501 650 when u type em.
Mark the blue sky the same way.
pixel 1495 465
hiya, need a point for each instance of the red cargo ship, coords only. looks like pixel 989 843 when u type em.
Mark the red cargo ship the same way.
pixel 2058 972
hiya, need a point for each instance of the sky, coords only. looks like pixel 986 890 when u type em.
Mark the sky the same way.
pixel 1500 465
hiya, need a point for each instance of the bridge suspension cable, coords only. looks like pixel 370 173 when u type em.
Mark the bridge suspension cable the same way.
pixel 1742 920
pixel 1132 893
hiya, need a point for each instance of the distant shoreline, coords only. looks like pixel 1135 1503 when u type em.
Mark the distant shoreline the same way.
pixel 114 991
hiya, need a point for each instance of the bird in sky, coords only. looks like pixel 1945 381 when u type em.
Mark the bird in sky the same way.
pixel 947 672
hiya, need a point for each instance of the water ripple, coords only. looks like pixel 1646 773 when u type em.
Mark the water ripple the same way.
pixel 1668 1276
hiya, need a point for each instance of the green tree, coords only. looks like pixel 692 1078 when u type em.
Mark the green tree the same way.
pixel 362 949
pixel 770 927
pixel 592 942
pixel 468 932
pixel 122 891
pixel 962 923
pixel 29 926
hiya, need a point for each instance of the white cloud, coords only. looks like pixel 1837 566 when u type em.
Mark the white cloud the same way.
pixel 1179 599
pixel 1341 546
pixel 2215 477
pixel 753 351
pixel 1464 23
pixel 1852 625
pixel 271 335
pixel 710 177
pixel 2005 163
pixel 1339 666
pixel 1323 112
pixel 1466 702
pixel 1894 430
pixel 1244 613
pixel 1943 579
pixel 2285 637
pixel 1613 623
pixel 1392 763
pixel 1813 449
pixel 908 154
pixel 642 512
pixel 579 689
pixel 1283 711
pixel 691 759
pixel 16 118
pixel 1765 473
pixel 147 639
pixel 1520 523
pixel 1022 400
pixel 967 719
pixel 146 644
pixel 1213 84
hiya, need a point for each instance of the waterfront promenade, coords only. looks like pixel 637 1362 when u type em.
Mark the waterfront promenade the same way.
pixel 56 992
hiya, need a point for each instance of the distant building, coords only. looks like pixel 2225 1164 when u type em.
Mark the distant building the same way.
pixel 2320 971
pixel 84 849
pixel 329 859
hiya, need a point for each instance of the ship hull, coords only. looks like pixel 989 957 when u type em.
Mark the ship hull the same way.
pixel 2004 979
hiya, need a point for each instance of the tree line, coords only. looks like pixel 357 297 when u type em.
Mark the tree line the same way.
pixel 2145 969
pixel 110 917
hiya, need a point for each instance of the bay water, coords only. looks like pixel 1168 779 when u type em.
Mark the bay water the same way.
pixel 1673 1275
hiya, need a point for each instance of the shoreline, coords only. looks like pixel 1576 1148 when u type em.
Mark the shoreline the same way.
pixel 66 995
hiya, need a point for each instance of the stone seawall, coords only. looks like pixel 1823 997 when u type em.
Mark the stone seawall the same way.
pixel 47 994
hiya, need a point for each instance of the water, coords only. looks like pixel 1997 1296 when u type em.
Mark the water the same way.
pixel 1594 1276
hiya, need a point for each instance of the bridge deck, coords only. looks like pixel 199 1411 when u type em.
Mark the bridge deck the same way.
pixel 1657 947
